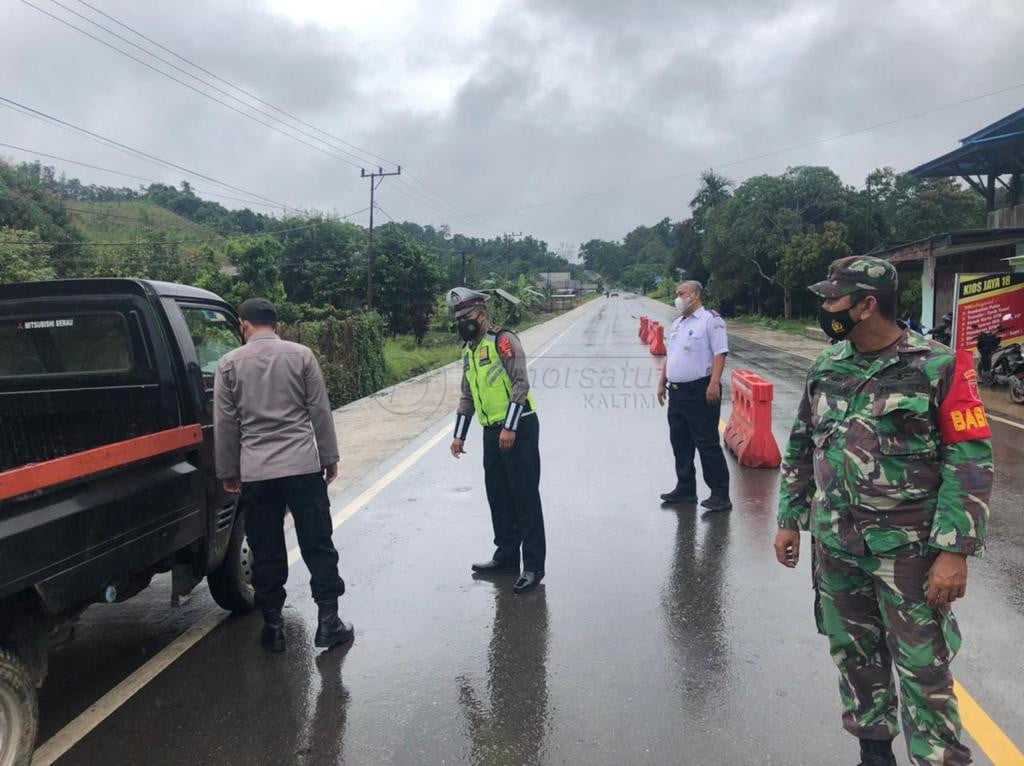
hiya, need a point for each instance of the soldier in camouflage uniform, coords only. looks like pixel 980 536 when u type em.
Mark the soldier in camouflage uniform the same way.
pixel 889 466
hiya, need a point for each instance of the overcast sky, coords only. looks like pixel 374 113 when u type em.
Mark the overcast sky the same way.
pixel 512 112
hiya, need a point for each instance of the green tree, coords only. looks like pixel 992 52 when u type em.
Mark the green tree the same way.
pixel 407 279
pixel 21 261
pixel 805 257
pixel 258 263
pixel 746 234
pixel 324 264
pixel 712 190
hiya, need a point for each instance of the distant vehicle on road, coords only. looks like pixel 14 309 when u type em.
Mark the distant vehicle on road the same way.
pixel 106 466
pixel 614 294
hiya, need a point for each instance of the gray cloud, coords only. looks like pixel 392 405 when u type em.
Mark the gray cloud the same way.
pixel 548 101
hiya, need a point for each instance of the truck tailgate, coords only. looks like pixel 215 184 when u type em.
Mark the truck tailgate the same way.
pixel 98 515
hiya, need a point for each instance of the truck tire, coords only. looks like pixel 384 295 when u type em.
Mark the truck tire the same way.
pixel 231 582
pixel 19 711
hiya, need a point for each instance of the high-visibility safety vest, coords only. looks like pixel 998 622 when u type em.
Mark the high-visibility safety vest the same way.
pixel 489 382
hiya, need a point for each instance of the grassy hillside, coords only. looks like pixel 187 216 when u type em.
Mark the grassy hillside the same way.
pixel 125 221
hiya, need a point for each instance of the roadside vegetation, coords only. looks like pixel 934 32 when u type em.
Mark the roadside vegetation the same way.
pixel 312 266
pixel 755 245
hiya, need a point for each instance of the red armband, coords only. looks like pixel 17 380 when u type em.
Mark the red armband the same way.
pixel 505 347
pixel 962 413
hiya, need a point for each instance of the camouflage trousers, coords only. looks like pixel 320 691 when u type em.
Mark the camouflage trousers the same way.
pixel 874 611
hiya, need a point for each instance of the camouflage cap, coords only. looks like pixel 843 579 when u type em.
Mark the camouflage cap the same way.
pixel 857 272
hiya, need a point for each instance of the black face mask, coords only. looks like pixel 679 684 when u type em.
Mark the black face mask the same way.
pixel 468 329
pixel 836 324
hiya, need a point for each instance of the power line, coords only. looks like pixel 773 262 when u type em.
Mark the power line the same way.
pixel 251 95
pixel 182 82
pixel 138 153
pixel 199 80
pixel 232 238
pixel 131 175
pixel 115 216
pixel 386 214
pixel 232 85
pixel 376 179
pixel 773 153
pixel 415 195
pixel 437 194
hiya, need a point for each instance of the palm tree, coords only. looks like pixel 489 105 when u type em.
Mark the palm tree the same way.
pixel 713 190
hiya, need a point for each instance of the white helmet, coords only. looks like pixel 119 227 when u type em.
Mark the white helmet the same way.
pixel 462 300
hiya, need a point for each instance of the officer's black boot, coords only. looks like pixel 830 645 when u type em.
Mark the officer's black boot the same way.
pixel 679 495
pixel 718 503
pixel 272 635
pixel 876 752
pixel 330 630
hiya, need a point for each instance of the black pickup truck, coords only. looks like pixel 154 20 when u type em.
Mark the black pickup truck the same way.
pixel 106 465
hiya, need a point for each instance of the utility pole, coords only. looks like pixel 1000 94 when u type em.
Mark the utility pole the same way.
pixel 376 179
pixel 509 236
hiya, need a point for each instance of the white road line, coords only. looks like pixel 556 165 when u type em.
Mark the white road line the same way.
pixel 1013 423
pixel 98 712
pixel 65 739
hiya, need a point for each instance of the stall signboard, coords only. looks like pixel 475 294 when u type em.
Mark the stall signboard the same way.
pixel 988 303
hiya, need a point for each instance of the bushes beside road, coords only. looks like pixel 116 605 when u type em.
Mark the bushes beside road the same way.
pixel 351 353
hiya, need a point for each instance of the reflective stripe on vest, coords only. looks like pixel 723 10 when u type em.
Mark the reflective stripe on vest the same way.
pixel 489 383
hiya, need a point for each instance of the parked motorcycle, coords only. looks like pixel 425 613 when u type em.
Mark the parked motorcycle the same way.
pixel 942 332
pixel 998 364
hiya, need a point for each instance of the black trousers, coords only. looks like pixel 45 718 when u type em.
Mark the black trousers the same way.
pixel 265 503
pixel 512 479
pixel 693 427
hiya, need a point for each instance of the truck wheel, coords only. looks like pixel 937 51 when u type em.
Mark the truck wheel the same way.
pixel 231 582
pixel 19 713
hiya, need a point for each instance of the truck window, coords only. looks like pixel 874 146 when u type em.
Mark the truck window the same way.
pixel 64 344
pixel 214 334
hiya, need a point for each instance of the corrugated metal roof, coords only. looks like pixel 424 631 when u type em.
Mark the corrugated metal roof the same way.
pixel 996 149
pixel 950 243
pixel 503 294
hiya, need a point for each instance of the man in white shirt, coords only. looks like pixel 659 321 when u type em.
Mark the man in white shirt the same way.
pixel 692 381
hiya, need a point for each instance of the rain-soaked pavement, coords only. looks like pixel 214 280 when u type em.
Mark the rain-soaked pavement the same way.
pixel 659 635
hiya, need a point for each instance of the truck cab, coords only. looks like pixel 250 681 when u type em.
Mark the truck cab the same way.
pixel 107 472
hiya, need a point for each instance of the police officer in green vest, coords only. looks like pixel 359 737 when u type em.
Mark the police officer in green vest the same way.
pixel 495 386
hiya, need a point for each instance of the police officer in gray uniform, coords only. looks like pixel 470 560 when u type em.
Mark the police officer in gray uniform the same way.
pixel 692 380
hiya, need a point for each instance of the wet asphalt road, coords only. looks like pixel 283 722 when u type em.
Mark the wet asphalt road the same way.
pixel 659 635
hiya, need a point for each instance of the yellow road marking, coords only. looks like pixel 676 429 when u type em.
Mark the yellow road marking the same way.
pixel 990 738
pixel 986 732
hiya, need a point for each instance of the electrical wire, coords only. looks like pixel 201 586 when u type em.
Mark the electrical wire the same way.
pixel 753 158
pixel 443 200
pixel 184 241
pixel 185 84
pixel 385 212
pixel 416 195
pixel 137 153
pixel 206 192
pixel 230 84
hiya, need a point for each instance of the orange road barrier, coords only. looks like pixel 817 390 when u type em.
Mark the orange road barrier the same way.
pixel 749 432
pixel 29 478
pixel 658 340
pixel 644 321
pixel 648 332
